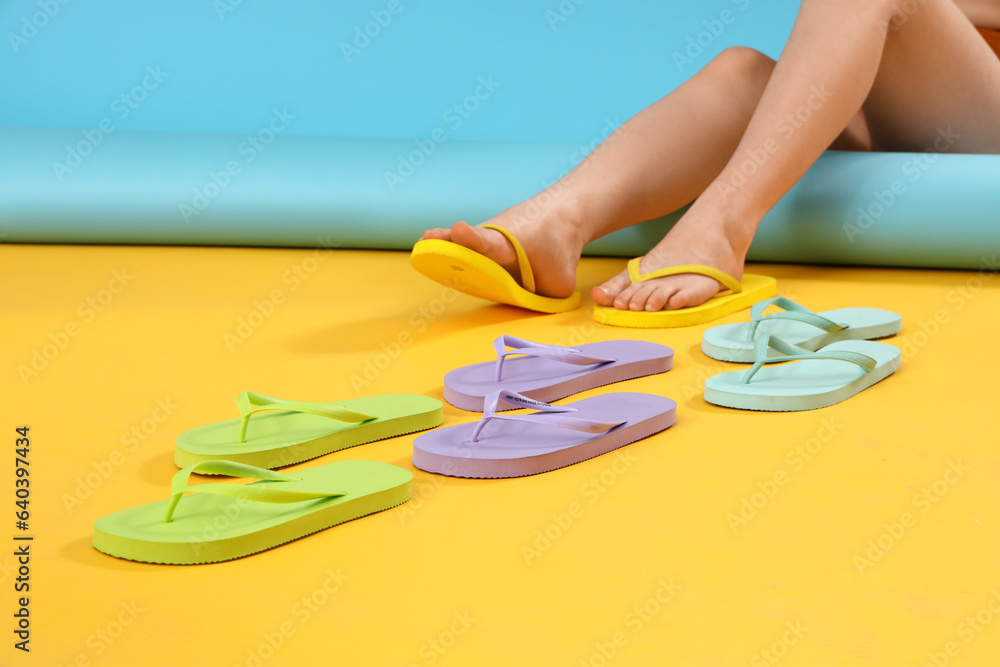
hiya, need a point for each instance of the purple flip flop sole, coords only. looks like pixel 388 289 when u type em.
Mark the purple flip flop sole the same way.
pixel 527 444
pixel 557 374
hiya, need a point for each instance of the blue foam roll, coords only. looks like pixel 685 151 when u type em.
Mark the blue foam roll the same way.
pixel 266 189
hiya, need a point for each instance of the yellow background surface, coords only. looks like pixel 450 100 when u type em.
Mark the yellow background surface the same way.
pixel 867 533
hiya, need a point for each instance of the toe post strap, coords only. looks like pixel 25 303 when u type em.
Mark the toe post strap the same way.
pixel 527 276
pixel 791 311
pixel 567 355
pixel 722 277
pixel 549 415
pixel 791 352
pixel 257 492
pixel 250 403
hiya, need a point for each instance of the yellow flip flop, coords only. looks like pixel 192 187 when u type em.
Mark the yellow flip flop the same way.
pixel 736 297
pixel 472 273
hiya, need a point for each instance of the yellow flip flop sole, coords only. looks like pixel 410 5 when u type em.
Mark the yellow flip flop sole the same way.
pixel 738 296
pixel 471 273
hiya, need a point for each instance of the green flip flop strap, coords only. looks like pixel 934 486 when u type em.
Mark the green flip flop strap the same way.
pixel 248 399
pixel 700 269
pixel 793 311
pixel 260 493
pixel 795 353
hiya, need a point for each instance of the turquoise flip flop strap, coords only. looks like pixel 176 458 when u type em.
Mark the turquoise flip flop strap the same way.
pixel 700 269
pixel 248 399
pixel 550 415
pixel 257 492
pixel 795 353
pixel 792 311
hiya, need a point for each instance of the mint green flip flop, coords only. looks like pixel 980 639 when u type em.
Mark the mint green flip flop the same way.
pixel 816 380
pixel 301 431
pixel 798 326
pixel 226 521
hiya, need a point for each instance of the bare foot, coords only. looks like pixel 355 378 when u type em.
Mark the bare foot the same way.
pixel 689 242
pixel 550 236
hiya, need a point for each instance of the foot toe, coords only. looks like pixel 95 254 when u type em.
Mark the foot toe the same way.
pixel 465 234
pixel 658 299
pixel 641 295
pixel 624 298
pixel 437 233
pixel 606 293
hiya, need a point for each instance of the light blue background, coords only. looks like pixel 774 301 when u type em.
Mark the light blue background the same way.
pixel 559 81
pixel 568 71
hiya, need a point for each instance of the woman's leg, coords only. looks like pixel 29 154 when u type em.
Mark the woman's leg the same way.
pixel 917 74
pixel 833 60
pixel 656 162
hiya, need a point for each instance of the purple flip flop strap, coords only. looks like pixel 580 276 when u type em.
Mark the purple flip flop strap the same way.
pixel 549 415
pixel 567 355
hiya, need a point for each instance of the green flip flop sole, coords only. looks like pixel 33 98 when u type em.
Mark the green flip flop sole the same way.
pixel 221 521
pixel 301 431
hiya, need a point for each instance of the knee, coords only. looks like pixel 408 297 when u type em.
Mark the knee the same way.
pixel 877 12
pixel 739 64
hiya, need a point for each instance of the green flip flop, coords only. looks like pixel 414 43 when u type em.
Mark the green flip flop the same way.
pixel 816 380
pixel 225 521
pixel 301 431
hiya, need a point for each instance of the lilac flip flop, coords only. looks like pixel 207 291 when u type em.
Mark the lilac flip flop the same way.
pixel 549 372
pixel 554 437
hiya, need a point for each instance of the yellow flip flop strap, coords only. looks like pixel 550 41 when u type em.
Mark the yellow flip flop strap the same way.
pixel 727 280
pixel 527 277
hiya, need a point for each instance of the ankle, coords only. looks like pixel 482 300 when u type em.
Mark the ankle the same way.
pixel 559 213
pixel 733 223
